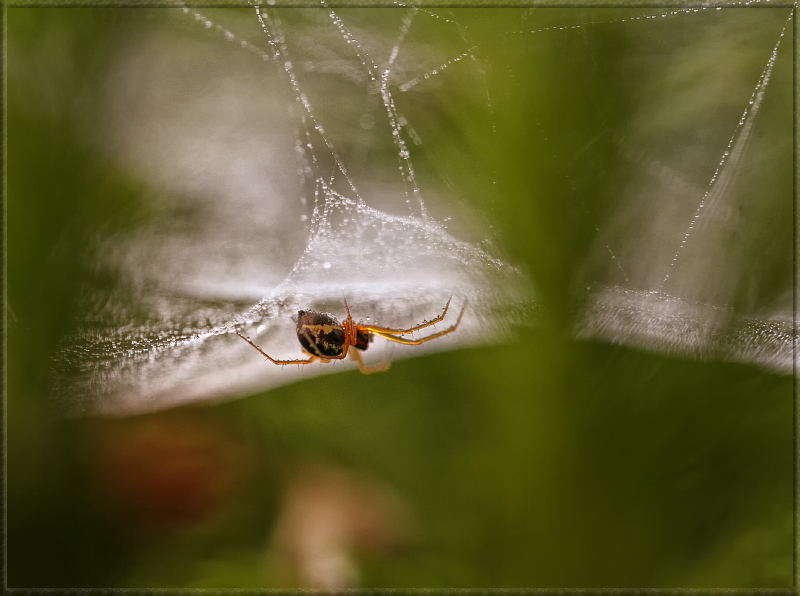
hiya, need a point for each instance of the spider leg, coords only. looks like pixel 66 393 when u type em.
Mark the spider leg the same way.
pixel 349 328
pixel 381 330
pixel 370 369
pixel 271 359
pixel 416 342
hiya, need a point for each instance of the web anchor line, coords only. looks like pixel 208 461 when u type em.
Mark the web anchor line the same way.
pixel 733 152
pixel 469 52
pixel 281 53
pixel 395 120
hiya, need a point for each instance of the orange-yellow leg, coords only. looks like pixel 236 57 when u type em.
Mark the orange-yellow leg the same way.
pixel 416 342
pixel 271 359
pixel 368 370
pixel 381 330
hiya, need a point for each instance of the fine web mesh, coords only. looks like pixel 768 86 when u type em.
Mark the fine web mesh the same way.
pixel 290 184
pixel 166 334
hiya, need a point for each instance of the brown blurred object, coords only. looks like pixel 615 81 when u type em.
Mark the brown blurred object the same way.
pixel 329 517
pixel 165 471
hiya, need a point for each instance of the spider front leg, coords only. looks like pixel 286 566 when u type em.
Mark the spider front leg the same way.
pixel 416 342
pixel 271 359
pixel 381 330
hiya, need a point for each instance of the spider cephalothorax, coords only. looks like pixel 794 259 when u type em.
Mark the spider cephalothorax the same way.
pixel 324 338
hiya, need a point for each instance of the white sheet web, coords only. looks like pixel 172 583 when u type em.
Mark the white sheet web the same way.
pixel 165 336
pixel 175 343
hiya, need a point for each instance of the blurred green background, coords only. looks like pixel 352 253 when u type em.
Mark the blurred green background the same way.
pixel 542 462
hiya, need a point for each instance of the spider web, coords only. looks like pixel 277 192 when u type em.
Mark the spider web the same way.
pixel 281 145
pixel 694 279
pixel 236 227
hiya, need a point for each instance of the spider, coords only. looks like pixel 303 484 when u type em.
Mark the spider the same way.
pixel 323 338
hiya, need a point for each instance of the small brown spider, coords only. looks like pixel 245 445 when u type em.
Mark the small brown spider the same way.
pixel 325 339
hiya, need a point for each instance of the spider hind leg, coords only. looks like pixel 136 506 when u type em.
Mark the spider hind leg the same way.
pixel 273 360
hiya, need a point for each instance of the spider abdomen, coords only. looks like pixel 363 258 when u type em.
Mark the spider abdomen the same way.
pixel 320 334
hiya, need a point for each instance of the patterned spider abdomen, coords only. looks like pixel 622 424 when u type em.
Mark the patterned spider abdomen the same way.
pixel 320 334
